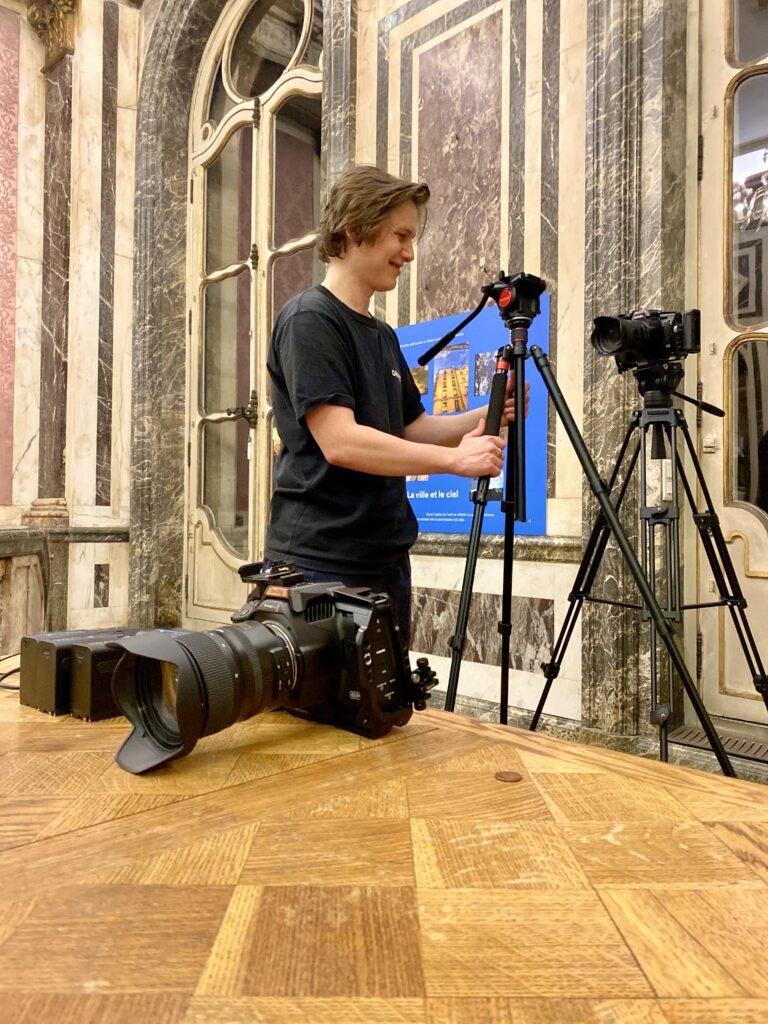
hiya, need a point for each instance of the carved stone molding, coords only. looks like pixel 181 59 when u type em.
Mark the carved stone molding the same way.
pixel 55 22
pixel 46 513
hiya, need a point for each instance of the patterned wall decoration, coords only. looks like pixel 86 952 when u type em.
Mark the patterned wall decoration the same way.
pixel 464 133
pixel 435 614
pixel 9 112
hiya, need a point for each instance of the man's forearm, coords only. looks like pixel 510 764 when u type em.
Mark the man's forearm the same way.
pixel 444 430
pixel 372 451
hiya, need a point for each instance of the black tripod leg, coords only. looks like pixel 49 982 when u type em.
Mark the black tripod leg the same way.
pixel 457 641
pixel 603 497
pixel 514 510
pixel 726 579
pixel 587 571
pixel 505 623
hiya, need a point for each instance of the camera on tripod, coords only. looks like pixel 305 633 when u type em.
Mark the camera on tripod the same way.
pixel 648 337
pixel 323 651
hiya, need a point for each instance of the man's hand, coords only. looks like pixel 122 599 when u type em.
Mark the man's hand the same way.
pixel 479 455
pixel 508 414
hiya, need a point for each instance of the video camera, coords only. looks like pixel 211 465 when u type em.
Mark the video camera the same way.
pixel 324 651
pixel 647 338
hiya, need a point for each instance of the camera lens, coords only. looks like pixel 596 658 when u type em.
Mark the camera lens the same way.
pixel 176 686
pixel 323 651
pixel 607 335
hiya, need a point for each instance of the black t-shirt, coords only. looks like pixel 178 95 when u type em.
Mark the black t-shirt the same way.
pixel 322 516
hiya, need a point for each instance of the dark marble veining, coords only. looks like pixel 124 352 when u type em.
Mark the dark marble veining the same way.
pixel 527 549
pixel 339 88
pixel 180 33
pixel 516 59
pixel 459 146
pixel 621 194
pixel 55 302
pixel 101 585
pixel 111 21
pixel 435 614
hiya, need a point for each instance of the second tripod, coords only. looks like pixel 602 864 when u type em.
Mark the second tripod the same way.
pixel 660 544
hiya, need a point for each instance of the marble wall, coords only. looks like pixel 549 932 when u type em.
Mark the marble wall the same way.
pixel 538 124
pixel 634 256
pixel 9 121
pixel 76 81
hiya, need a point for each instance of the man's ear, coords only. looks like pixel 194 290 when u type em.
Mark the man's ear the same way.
pixel 351 237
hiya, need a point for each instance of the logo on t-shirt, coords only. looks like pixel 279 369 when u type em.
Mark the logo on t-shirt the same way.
pixel 396 373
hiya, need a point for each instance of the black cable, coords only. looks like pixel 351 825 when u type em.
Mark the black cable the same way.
pixel 10 672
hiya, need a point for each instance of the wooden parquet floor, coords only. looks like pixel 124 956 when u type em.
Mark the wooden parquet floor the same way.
pixel 291 873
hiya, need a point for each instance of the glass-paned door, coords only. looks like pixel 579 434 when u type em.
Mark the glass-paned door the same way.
pixel 254 193
pixel 733 296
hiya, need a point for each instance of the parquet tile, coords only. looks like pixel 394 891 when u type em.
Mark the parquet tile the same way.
pixel 217 860
pixel 94 1009
pixel 50 773
pixel 575 797
pixel 452 794
pixel 717 917
pixel 353 942
pixel 290 873
pixel 715 1011
pixel 114 939
pixel 94 808
pixel 525 855
pixel 655 854
pixel 749 841
pixel 545 1011
pixel 24 818
pixel 331 852
pixel 553 944
pixel 250 1010
pixel 672 958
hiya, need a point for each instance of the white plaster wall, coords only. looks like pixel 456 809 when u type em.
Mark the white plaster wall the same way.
pixel 82 559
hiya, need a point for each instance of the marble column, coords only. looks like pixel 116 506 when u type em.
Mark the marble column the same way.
pixel 179 35
pixel 339 87
pixel 110 37
pixel 55 24
pixel 634 257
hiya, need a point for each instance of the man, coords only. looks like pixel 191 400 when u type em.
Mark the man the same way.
pixel 347 410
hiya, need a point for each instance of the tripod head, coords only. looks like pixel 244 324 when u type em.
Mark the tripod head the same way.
pixel 657 382
pixel 517 296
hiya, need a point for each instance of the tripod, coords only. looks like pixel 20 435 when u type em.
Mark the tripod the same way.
pixel 658 370
pixel 656 383
pixel 518 301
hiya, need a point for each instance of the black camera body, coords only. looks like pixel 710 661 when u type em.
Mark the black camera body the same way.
pixel 323 651
pixel 648 337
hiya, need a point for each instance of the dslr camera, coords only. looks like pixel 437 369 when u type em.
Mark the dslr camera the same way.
pixel 647 338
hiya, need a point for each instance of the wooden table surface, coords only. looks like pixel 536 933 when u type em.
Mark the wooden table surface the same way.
pixel 288 872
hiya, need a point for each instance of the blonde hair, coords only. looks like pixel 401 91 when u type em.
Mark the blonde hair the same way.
pixel 361 200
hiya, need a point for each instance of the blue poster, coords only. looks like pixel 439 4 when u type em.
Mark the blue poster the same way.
pixel 457 379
